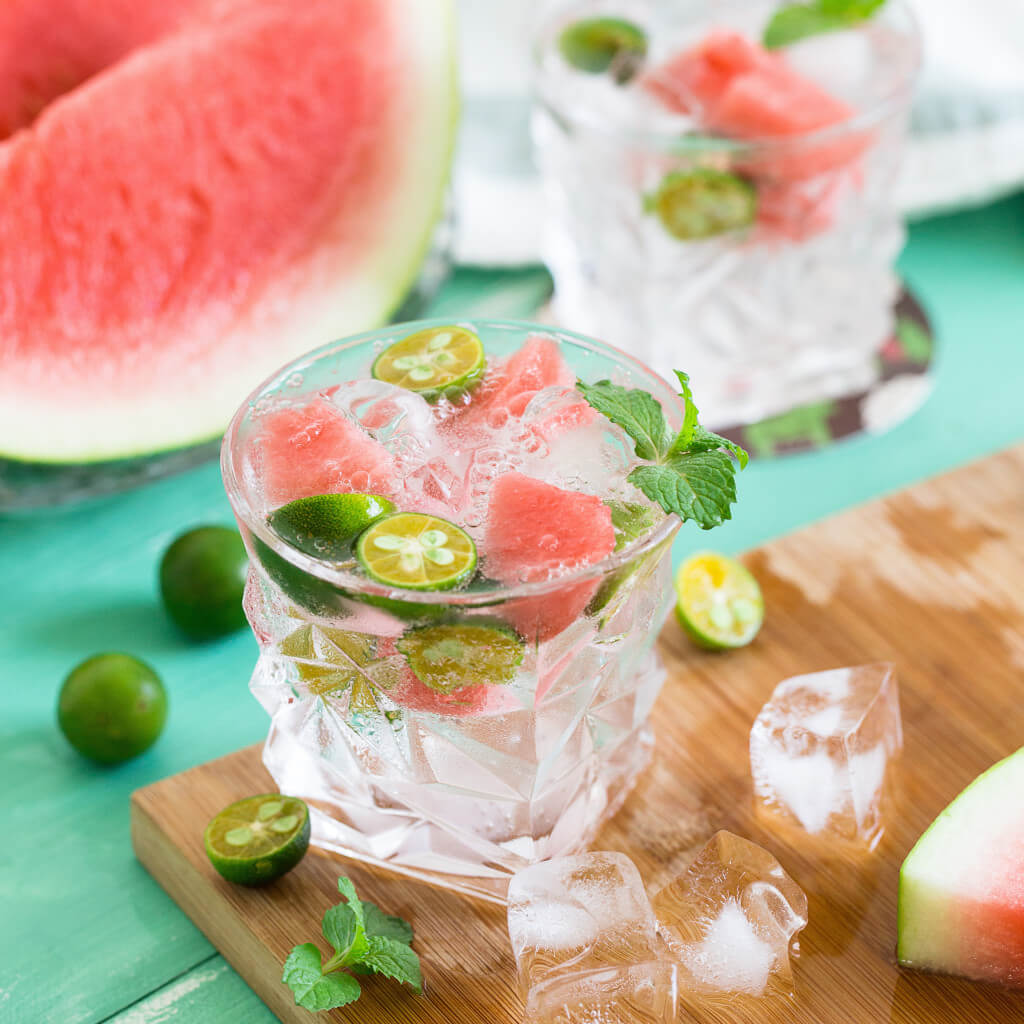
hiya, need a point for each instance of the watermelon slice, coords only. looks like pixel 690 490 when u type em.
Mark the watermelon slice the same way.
pixel 507 389
pixel 961 902
pixel 740 90
pixel 533 532
pixel 316 449
pixel 237 182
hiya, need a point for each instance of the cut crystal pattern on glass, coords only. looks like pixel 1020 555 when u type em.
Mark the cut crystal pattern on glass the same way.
pixel 730 919
pixel 822 748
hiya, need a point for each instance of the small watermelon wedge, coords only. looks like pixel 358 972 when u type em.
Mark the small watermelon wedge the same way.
pixel 197 191
pixel 316 449
pixel 508 387
pixel 961 895
pixel 534 530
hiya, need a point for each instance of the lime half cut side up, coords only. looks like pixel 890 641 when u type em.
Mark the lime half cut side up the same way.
pixel 435 362
pixel 414 551
pixel 256 840
pixel 702 203
pixel 327 525
pixel 597 45
pixel 719 603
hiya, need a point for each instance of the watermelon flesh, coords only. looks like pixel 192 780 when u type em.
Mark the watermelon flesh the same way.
pixel 961 899
pixel 534 532
pixel 316 449
pixel 737 89
pixel 206 206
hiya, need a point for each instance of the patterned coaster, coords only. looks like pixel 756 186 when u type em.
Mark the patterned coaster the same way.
pixel 904 382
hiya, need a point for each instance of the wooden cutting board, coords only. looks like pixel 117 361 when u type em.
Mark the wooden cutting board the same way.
pixel 931 579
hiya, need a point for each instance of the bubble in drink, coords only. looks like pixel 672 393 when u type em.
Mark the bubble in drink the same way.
pixel 577 914
pixel 822 748
pixel 644 993
pixel 730 919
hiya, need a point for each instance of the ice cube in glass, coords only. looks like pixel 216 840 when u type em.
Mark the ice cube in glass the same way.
pixel 577 914
pixel 730 919
pixel 822 750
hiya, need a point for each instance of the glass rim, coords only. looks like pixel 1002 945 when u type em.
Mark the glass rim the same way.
pixel 346 580
pixel 675 143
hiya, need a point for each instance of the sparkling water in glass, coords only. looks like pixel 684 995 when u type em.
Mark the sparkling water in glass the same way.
pixel 785 307
pixel 463 785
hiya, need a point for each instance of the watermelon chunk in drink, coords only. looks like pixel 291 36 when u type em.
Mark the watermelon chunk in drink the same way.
pixel 737 89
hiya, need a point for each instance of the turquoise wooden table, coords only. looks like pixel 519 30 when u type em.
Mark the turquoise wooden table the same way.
pixel 85 934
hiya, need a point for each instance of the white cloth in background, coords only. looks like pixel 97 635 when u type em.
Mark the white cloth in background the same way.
pixel 967 141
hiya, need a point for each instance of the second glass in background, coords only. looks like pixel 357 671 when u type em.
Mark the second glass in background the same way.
pixel 781 290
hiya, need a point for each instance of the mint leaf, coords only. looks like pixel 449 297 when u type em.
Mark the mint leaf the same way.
pixel 685 435
pixel 630 520
pixel 379 924
pixel 345 932
pixel 313 989
pixel 700 486
pixel 797 21
pixel 395 960
pixel 708 441
pixel 638 413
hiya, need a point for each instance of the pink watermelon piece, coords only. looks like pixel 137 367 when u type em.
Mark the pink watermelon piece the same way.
pixel 194 205
pixel 536 530
pixel 508 387
pixel 961 895
pixel 315 449
pixel 740 90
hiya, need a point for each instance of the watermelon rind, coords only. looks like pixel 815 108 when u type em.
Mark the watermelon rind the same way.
pixel 953 848
pixel 38 432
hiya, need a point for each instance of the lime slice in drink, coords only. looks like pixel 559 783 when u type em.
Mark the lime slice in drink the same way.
pixel 702 203
pixel 448 658
pixel 414 551
pixel 258 839
pixel 326 525
pixel 112 707
pixel 719 603
pixel 202 578
pixel 597 45
pixel 435 362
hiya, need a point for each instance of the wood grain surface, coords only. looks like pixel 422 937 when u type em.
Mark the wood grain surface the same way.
pixel 931 579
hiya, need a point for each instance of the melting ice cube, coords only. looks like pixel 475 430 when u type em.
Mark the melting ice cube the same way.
pixel 638 994
pixel 821 750
pixel 730 919
pixel 577 914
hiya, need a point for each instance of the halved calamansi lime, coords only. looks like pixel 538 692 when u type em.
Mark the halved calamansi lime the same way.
pixel 596 45
pixel 326 525
pixel 258 839
pixel 450 657
pixel 719 603
pixel 413 551
pixel 702 203
pixel 434 362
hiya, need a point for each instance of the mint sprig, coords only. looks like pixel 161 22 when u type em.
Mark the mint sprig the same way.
pixel 691 473
pixel 365 940
pixel 797 21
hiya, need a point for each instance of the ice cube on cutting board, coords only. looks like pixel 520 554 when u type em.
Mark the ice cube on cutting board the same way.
pixel 822 748
pixel 643 993
pixel 577 914
pixel 730 919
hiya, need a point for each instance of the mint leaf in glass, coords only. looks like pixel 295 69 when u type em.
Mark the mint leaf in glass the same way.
pixel 798 21
pixel 692 475
pixel 637 412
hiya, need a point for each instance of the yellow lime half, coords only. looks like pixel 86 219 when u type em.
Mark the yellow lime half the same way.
pixel 719 603
pixel 435 362
pixel 414 551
